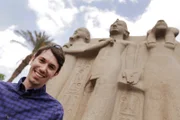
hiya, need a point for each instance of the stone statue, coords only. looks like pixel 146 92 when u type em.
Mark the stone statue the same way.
pixel 122 77
pixel 104 74
pixel 77 45
pixel 161 75
pixel 130 94
pixel 75 75
pixel 159 30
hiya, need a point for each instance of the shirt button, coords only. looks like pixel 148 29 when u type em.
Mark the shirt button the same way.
pixel 7 117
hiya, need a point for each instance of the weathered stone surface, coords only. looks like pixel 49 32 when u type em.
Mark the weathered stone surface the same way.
pixel 121 77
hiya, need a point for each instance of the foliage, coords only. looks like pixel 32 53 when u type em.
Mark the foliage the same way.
pixel 2 76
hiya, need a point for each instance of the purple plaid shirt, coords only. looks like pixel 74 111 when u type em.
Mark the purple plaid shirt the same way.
pixel 18 104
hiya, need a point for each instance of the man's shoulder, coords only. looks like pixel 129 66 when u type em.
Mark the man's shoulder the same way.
pixel 6 87
pixel 4 84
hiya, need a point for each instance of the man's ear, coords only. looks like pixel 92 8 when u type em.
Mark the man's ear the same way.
pixel 56 74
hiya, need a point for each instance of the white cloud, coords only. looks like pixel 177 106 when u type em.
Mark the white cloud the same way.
pixel 125 1
pixel 10 53
pixel 90 1
pixel 155 12
pixel 122 1
pixel 134 1
pixel 53 15
pixel 98 21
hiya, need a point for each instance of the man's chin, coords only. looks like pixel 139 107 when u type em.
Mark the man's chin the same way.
pixel 34 82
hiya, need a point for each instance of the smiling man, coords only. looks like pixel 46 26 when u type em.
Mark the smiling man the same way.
pixel 27 99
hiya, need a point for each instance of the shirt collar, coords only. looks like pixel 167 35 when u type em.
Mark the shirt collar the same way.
pixel 29 92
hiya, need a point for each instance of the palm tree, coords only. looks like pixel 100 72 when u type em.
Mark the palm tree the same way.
pixel 2 76
pixel 35 41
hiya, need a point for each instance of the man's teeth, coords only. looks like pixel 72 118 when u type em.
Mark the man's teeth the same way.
pixel 39 75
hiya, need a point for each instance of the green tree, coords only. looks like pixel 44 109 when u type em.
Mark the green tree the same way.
pixel 34 41
pixel 2 76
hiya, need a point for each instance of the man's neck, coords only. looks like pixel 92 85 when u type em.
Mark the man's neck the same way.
pixel 28 85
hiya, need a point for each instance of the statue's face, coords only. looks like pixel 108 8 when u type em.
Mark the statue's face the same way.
pixel 118 27
pixel 80 34
pixel 160 28
pixel 161 25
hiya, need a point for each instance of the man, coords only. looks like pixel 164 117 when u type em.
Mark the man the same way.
pixel 27 99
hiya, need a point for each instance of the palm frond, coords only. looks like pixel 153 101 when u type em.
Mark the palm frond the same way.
pixel 42 41
pixel 27 35
pixel 15 41
pixel 31 37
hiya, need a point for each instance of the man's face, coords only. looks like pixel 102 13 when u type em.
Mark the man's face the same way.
pixel 118 26
pixel 43 68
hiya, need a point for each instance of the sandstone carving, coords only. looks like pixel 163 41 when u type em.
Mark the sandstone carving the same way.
pixel 130 94
pixel 104 72
pixel 121 77
pixel 161 75
pixel 80 57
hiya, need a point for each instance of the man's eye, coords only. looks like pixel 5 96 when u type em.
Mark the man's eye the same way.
pixel 52 67
pixel 41 60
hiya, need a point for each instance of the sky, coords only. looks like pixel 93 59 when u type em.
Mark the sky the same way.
pixel 60 18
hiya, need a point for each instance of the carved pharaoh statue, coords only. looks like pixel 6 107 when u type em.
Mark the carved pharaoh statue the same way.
pixel 122 77
pixel 130 95
pixel 161 74
pixel 76 71
pixel 156 96
pixel 104 74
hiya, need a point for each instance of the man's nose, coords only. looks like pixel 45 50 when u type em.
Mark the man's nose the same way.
pixel 43 68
